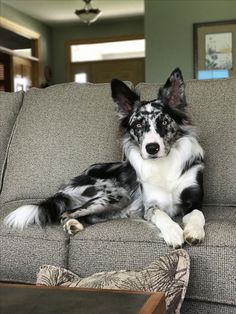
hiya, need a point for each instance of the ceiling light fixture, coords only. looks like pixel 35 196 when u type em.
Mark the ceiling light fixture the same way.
pixel 88 14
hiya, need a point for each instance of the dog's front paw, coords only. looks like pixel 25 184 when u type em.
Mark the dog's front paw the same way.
pixel 173 236
pixel 193 234
pixel 72 226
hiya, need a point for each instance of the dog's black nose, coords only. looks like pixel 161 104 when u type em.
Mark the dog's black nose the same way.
pixel 152 148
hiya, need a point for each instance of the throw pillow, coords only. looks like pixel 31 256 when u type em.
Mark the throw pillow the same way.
pixel 169 274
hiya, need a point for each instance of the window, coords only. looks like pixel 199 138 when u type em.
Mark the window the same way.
pixel 81 77
pixel 212 74
pixel 108 50
pixel 21 83
pixel 24 52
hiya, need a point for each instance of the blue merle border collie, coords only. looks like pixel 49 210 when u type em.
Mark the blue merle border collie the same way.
pixel 161 178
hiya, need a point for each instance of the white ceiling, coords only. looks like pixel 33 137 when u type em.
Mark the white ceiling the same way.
pixel 54 12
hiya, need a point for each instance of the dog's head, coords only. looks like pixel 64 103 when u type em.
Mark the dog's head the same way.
pixel 153 125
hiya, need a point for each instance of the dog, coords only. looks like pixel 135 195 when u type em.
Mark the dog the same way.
pixel 162 176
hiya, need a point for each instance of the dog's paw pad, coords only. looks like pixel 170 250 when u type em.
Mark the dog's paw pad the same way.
pixel 193 235
pixel 176 246
pixel 192 241
pixel 73 226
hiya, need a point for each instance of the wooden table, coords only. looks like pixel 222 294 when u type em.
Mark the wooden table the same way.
pixel 29 299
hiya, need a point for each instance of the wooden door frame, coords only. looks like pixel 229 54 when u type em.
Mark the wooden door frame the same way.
pixel 34 36
pixel 85 41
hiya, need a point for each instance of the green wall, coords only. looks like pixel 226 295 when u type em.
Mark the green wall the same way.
pixel 53 38
pixel 32 24
pixel 169 33
pixel 99 29
pixel 167 27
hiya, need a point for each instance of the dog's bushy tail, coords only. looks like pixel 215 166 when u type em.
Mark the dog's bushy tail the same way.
pixel 48 211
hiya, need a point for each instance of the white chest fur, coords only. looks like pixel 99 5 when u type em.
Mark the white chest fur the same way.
pixel 162 178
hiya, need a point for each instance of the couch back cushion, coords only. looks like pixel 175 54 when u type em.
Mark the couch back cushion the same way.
pixel 212 106
pixel 10 104
pixel 59 132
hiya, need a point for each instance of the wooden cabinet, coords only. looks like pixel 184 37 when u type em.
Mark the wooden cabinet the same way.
pixel 16 72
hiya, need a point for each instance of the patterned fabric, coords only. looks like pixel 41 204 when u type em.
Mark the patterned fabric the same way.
pixel 169 274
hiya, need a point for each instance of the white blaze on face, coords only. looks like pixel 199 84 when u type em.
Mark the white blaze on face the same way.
pixel 152 137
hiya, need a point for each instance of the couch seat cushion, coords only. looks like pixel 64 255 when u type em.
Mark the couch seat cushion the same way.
pixel 23 252
pixel 131 244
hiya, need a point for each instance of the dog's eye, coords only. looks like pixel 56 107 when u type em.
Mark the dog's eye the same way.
pixel 138 126
pixel 164 122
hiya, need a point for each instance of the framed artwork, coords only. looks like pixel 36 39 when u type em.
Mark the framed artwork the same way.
pixel 214 46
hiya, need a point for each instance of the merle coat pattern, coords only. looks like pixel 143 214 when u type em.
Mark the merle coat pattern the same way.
pixel 161 178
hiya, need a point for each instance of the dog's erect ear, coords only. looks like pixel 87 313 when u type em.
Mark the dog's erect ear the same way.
pixel 123 96
pixel 173 92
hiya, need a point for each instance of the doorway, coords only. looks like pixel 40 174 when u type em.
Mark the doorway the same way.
pixel 132 70
pixel 101 60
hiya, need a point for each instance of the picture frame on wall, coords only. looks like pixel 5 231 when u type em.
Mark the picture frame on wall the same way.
pixel 214 47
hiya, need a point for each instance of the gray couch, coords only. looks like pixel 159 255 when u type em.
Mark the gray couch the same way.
pixel 49 135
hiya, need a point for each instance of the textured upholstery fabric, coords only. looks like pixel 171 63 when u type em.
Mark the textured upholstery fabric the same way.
pixel 134 244
pixel 212 105
pixel 23 252
pixel 53 141
pixel 196 307
pixel 10 104
pixel 124 244
pixel 60 131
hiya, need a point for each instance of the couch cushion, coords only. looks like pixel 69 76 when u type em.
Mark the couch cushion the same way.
pixel 59 132
pixel 10 104
pixel 189 307
pixel 212 105
pixel 131 244
pixel 23 252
